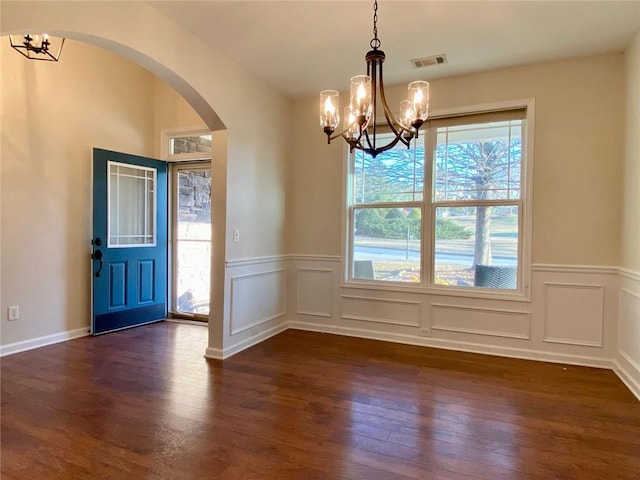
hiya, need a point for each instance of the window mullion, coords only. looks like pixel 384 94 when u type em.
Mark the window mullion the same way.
pixel 477 203
pixel 388 205
pixel 428 230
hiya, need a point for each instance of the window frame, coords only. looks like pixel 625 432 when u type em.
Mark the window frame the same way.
pixel 175 168
pixel 169 134
pixel 428 205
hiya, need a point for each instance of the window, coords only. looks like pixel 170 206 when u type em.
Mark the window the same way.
pixel 387 211
pixel 131 205
pixel 190 151
pixel 186 144
pixel 190 144
pixel 449 212
pixel 191 239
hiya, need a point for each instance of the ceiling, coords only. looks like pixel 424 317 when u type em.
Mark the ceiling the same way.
pixel 302 47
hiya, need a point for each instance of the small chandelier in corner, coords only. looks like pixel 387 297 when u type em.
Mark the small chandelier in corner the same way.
pixel 360 116
pixel 38 47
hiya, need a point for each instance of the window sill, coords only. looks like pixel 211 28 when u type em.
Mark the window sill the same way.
pixel 511 296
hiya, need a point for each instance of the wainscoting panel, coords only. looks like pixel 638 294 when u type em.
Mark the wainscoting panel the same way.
pixel 256 298
pixel 574 314
pixel 628 361
pixel 513 327
pixel 381 310
pixel 314 290
pixel 629 329
pixel 482 321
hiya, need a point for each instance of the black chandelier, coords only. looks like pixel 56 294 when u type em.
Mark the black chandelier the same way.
pixel 37 47
pixel 360 124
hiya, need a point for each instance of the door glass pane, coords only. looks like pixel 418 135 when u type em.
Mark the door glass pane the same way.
pixel 193 242
pixel 132 202
pixel 476 246
pixel 386 244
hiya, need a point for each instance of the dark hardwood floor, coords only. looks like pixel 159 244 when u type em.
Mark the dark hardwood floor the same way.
pixel 145 404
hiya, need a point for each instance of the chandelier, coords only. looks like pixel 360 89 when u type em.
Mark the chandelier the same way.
pixel 360 126
pixel 37 47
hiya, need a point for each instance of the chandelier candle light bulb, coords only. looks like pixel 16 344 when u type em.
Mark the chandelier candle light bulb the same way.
pixel 361 98
pixel 406 117
pixel 419 98
pixel 350 125
pixel 329 117
pixel 360 123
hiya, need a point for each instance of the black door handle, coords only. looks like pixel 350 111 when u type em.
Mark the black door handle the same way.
pixel 97 255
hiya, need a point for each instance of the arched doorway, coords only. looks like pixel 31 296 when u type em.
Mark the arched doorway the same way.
pixel 250 150
pixel 66 318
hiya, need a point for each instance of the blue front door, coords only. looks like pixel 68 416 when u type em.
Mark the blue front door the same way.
pixel 129 241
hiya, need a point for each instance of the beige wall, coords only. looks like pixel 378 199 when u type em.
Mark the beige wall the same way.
pixel 171 111
pixel 52 115
pixel 631 206
pixel 578 158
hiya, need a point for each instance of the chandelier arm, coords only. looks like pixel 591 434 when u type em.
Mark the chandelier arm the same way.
pixel 339 134
pixel 371 145
pixel 353 144
pixel 398 137
pixel 403 134
pixel 356 143
pixel 342 134
pixel 19 50
pixel 375 66
pixel 391 119
pixel 375 152
pixel 374 69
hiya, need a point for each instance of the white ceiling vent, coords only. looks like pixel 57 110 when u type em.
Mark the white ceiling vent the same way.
pixel 428 61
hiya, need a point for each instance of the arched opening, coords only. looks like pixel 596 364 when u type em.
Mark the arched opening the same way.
pixel 250 154
pixel 53 115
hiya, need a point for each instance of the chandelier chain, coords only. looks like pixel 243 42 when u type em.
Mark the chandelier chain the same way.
pixel 375 42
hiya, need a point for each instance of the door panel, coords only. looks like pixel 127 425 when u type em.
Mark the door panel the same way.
pixel 129 241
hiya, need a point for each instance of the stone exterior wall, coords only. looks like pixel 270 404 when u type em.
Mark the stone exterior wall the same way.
pixel 199 143
pixel 194 188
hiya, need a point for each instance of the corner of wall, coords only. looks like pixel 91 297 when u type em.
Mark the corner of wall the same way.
pixel 627 361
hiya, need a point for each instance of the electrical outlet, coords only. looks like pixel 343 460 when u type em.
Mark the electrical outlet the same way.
pixel 13 313
pixel 236 235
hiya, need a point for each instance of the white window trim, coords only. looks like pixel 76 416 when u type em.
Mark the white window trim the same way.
pixel 525 223
pixel 168 134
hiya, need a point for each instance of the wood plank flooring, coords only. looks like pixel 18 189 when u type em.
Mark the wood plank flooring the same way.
pixel 145 404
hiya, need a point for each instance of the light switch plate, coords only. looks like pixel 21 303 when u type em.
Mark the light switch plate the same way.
pixel 13 313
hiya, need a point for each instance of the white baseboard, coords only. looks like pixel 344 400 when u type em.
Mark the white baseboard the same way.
pixel 217 354
pixel 213 353
pixel 623 369
pixel 521 353
pixel 38 342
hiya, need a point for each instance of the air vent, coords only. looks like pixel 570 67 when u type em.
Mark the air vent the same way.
pixel 428 61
